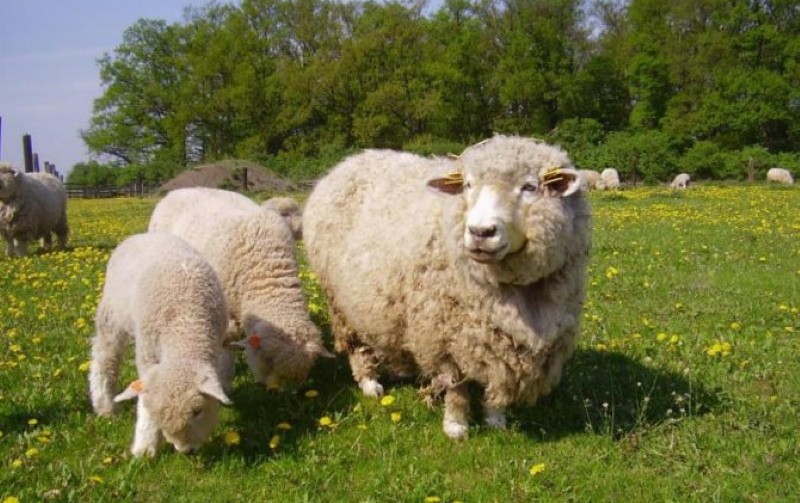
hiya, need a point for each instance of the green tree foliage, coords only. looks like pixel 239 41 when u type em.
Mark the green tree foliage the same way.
pixel 646 86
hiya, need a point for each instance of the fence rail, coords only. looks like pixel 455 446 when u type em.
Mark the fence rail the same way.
pixel 103 191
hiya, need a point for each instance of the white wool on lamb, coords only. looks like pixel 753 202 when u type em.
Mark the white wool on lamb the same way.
pixel 681 181
pixel 589 179
pixel 609 179
pixel 32 206
pixel 253 251
pixel 780 175
pixel 290 211
pixel 480 279
pixel 162 295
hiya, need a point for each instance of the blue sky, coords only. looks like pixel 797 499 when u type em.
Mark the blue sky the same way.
pixel 49 77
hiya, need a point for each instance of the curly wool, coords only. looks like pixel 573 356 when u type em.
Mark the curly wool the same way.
pixel 404 294
pixel 32 206
pixel 253 251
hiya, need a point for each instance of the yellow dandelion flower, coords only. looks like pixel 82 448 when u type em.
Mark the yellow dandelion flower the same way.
pixel 16 463
pixel 362 426
pixel 788 329
pixel 108 460
pixel 10 499
pixel 32 452
pixel 674 339
pixel 274 442
pixel 387 400
pixel 537 469
pixel 96 479
pixel 736 325
pixel 432 499
pixel 33 422
pixel 83 367
pixel 601 347
pixel 396 417
pixel 326 421
pixel 661 337
pixel 312 393
pixel 232 438
pixel 284 426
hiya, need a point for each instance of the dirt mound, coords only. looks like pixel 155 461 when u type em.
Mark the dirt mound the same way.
pixel 230 175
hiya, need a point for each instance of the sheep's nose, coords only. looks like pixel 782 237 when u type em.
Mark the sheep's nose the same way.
pixel 483 232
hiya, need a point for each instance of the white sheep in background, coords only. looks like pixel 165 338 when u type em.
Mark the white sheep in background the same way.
pixel 780 175
pixel 681 181
pixel 32 206
pixel 290 211
pixel 609 179
pixel 253 251
pixel 483 283
pixel 164 296
pixel 589 179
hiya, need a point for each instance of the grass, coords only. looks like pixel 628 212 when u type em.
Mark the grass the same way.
pixel 685 386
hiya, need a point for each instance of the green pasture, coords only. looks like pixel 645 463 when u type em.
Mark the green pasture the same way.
pixel 685 386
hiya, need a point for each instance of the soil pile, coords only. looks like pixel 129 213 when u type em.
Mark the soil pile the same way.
pixel 230 175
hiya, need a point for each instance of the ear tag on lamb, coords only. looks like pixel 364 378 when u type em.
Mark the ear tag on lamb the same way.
pixel 552 175
pixel 254 341
pixel 453 178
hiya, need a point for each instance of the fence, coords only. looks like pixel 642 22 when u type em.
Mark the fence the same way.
pixel 136 189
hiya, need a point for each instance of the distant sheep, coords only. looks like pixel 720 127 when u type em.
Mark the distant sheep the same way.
pixel 609 179
pixel 780 175
pixel 164 296
pixel 32 206
pixel 480 279
pixel 290 211
pixel 253 251
pixel 589 179
pixel 681 181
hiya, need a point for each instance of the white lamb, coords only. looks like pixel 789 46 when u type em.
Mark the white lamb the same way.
pixel 481 279
pixel 780 175
pixel 609 179
pixel 164 296
pixel 253 251
pixel 589 179
pixel 290 211
pixel 32 206
pixel 681 181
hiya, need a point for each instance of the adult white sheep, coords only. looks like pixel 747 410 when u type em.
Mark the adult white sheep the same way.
pixel 589 179
pixel 253 251
pixel 32 206
pixel 780 175
pixel 484 287
pixel 609 179
pixel 681 181
pixel 288 208
pixel 165 297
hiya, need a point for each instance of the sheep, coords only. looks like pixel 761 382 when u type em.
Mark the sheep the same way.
pixel 253 251
pixel 32 206
pixel 290 211
pixel 681 181
pixel 164 296
pixel 589 179
pixel 780 175
pixel 484 287
pixel 609 179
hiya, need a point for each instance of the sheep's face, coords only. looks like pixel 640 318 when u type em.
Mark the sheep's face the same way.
pixel 8 181
pixel 512 190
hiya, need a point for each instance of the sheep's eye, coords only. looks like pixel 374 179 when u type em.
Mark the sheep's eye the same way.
pixel 528 187
pixel 196 412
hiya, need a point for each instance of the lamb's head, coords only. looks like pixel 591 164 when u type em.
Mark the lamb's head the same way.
pixel 516 217
pixel 287 208
pixel 182 400
pixel 9 177
pixel 280 357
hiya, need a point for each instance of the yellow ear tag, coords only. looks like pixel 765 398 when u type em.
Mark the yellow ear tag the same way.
pixel 137 386
pixel 552 175
pixel 453 178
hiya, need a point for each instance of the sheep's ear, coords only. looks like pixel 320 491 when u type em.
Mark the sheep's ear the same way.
pixel 210 386
pixel 133 390
pixel 561 181
pixel 451 183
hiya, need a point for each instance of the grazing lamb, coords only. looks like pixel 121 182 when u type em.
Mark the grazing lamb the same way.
pixel 253 251
pixel 481 279
pixel 681 181
pixel 609 179
pixel 165 297
pixel 780 175
pixel 589 179
pixel 32 206
pixel 290 211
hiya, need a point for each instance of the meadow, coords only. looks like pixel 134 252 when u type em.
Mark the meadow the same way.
pixel 685 386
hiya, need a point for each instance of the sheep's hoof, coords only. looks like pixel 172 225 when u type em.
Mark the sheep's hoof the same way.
pixel 371 387
pixel 144 450
pixel 455 430
pixel 495 418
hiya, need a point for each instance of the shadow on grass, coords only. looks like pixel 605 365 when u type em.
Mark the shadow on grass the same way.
pixel 608 393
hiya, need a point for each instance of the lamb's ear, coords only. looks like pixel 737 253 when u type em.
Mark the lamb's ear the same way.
pixel 561 181
pixel 451 183
pixel 210 386
pixel 133 390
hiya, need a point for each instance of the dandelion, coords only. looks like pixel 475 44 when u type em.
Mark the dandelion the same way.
pixel 84 367
pixel 274 442
pixel 719 348
pixel 387 400
pixel 16 463
pixel 396 417
pixel 232 438
pixel 432 499
pixel 10 499
pixel 284 426
pixel 736 325
pixel 312 393
pixel 96 479
pixel 326 421
pixel 108 460
pixel 674 339
pixel 661 337
pixel 32 452
pixel 537 469
pixel 33 422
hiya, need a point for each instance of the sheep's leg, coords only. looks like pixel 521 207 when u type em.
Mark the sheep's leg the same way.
pixel 20 248
pixel 456 412
pixel 47 241
pixel 108 349
pixel 62 230
pixel 365 371
pixel 148 437
pixel 226 369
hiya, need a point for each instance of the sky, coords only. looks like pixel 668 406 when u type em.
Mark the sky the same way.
pixel 49 76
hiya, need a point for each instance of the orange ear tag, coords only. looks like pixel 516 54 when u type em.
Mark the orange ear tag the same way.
pixel 254 341
pixel 137 385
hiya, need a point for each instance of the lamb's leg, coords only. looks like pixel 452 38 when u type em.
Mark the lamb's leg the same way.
pixel 365 371
pixel 20 248
pixel 456 412
pixel 147 438
pixel 108 349
pixel 47 241
pixel 62 231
